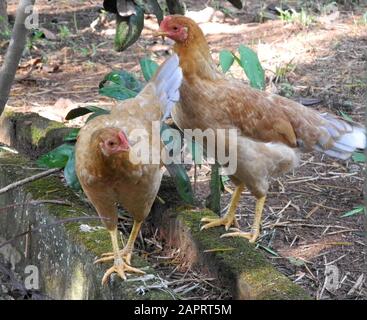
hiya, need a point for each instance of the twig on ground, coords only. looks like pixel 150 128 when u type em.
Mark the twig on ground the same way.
pixel 29 179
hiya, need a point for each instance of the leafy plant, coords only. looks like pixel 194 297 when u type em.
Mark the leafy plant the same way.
pixel 120 85
pixel 281 71
pixel 34 37
pixel 64 32
pixel 292 16
pixel 226 59
pixel 62 157
pixel 249 62
pixel 148 67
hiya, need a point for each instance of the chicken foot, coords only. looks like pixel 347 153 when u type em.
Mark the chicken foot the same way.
pixel 127 251
pixel 119 266
pixel 230 217
pixel 255 230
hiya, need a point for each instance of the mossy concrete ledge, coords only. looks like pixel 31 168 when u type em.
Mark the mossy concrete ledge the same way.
pixel 238 265
pixel 63 254
pixel 30 133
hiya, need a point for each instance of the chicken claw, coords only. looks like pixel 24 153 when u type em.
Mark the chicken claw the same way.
pixel 226 221
pixel 230 216
pixel 109 256
pixel 251 236
pixel 120 267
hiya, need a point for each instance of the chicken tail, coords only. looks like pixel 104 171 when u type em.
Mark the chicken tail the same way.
pixel 167 82
pixel 340 138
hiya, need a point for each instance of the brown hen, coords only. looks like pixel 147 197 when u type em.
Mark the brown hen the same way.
pixel 272 130
pixel 107 160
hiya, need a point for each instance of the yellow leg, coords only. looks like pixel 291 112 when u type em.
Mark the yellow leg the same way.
pixel 119 266
pixel 255 230
pixel 128 249
pixel 230 217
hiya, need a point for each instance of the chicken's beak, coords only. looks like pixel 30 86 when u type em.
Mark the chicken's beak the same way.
pixel 160 33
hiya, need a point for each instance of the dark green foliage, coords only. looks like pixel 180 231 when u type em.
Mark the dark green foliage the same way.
pixel 226 60
pixel 236 3
pixel 70 174
pixel 72 136
pixel 178 172
pixel 248 61
pixel 58 157
pixel 252 67
pixel 148 67
pixel 81 111
pixel 120 85
pixel 175 7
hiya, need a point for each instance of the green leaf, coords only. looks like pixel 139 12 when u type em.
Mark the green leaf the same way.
pixel 122 78
pixel 128 29
pixel 81 111
pixel 197 152
pixel 359 157
pixel 236 3
pixel 72 135
pixel 226 60
pixel 116 92
pixel 70 174
pixel 120 85
pixel 152 6
pixel 148 67
pixel 58 157
pixel 355 211
pixel 179 174
pixel 251 65
pixel 346 116
pixel 97 112
pixel 182 182
pixel 271 251
pixel 215 189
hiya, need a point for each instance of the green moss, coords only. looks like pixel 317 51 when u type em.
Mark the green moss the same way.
pixel 37 133
pixel 236 258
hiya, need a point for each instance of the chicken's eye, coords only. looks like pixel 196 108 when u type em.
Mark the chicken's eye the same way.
pixel 110 143
pixel 175 28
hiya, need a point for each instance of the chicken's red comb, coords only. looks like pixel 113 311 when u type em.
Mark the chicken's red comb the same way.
pixel 123 138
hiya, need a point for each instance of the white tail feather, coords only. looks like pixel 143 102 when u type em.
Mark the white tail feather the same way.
pixel 348 137
pixel 167 82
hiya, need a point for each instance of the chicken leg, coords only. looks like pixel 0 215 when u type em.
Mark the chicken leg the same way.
pixel 255 230
pixel 126 252
pixel 119 266
pixel 230 217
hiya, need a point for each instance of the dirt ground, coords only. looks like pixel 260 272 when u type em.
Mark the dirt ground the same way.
pixel 303 231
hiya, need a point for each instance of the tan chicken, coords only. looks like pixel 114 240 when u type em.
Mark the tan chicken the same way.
pixel 107 157
pixel 272 130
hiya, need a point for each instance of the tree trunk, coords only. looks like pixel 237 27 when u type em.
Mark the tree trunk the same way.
pixel 14 52
pixel 3 19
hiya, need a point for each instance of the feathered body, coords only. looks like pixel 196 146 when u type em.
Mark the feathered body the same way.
pixel 107 158
pixel 110 180
pixel 272 130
